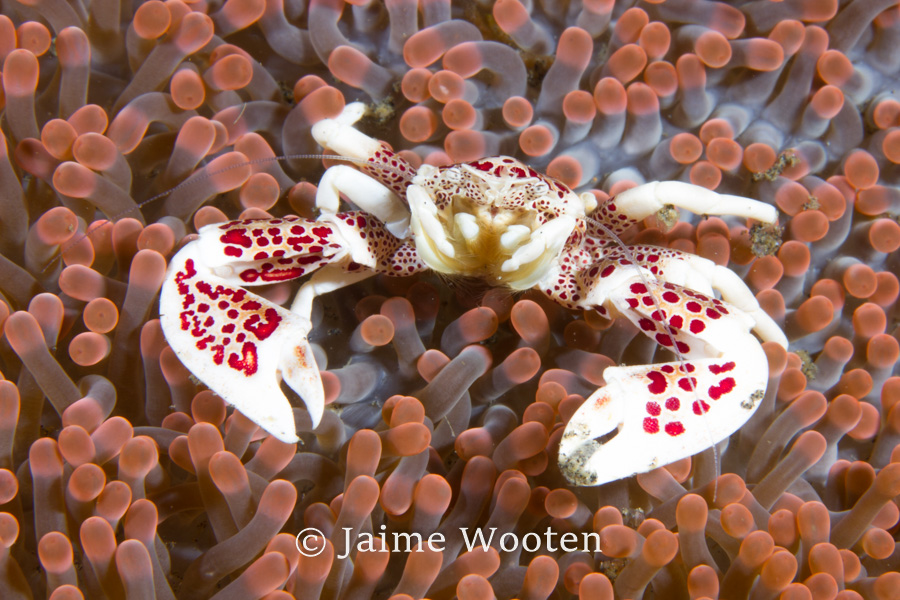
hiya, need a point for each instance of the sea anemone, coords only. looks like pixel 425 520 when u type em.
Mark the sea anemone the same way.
pixel 122 476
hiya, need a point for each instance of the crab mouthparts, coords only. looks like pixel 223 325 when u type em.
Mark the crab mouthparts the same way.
pixel 505 246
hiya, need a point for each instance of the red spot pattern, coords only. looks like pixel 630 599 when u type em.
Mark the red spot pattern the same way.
pixel 293 247
pixel 651 425
pixel 237 237
pixel 226 306
pixel 725 386
pixel 658 383
pixel 656 419
pixel 674 428
pixel 263 329
pixel 670 297
pixel 268 274
pixel 247 362
pixel 688 383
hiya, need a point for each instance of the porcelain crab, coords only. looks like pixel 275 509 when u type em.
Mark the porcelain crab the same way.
pixel 500 220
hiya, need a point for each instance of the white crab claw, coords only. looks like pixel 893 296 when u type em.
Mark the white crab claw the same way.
pixel 661 413
pixel 647 416
pixel 238 343
pixel 580 458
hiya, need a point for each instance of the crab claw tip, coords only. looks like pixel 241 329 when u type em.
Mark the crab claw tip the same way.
pixel 288 436
pixel 299 370
pixel 573 463
pixel 316 410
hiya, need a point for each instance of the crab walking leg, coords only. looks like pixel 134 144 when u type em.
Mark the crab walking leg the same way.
pixel 665 412
pixel 376 159
pixel 644 200
pixel 366 193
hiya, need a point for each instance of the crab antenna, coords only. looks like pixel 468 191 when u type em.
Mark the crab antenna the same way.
pixel 92 228
pixel 671 332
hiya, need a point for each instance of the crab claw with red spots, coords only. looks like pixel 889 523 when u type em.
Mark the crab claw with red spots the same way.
pixel 240 344
pixel 647 416
pixel 237 342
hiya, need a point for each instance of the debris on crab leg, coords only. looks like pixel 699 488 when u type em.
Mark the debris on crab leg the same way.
pixel 644 200
pixel 375 159
pixel 665 412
